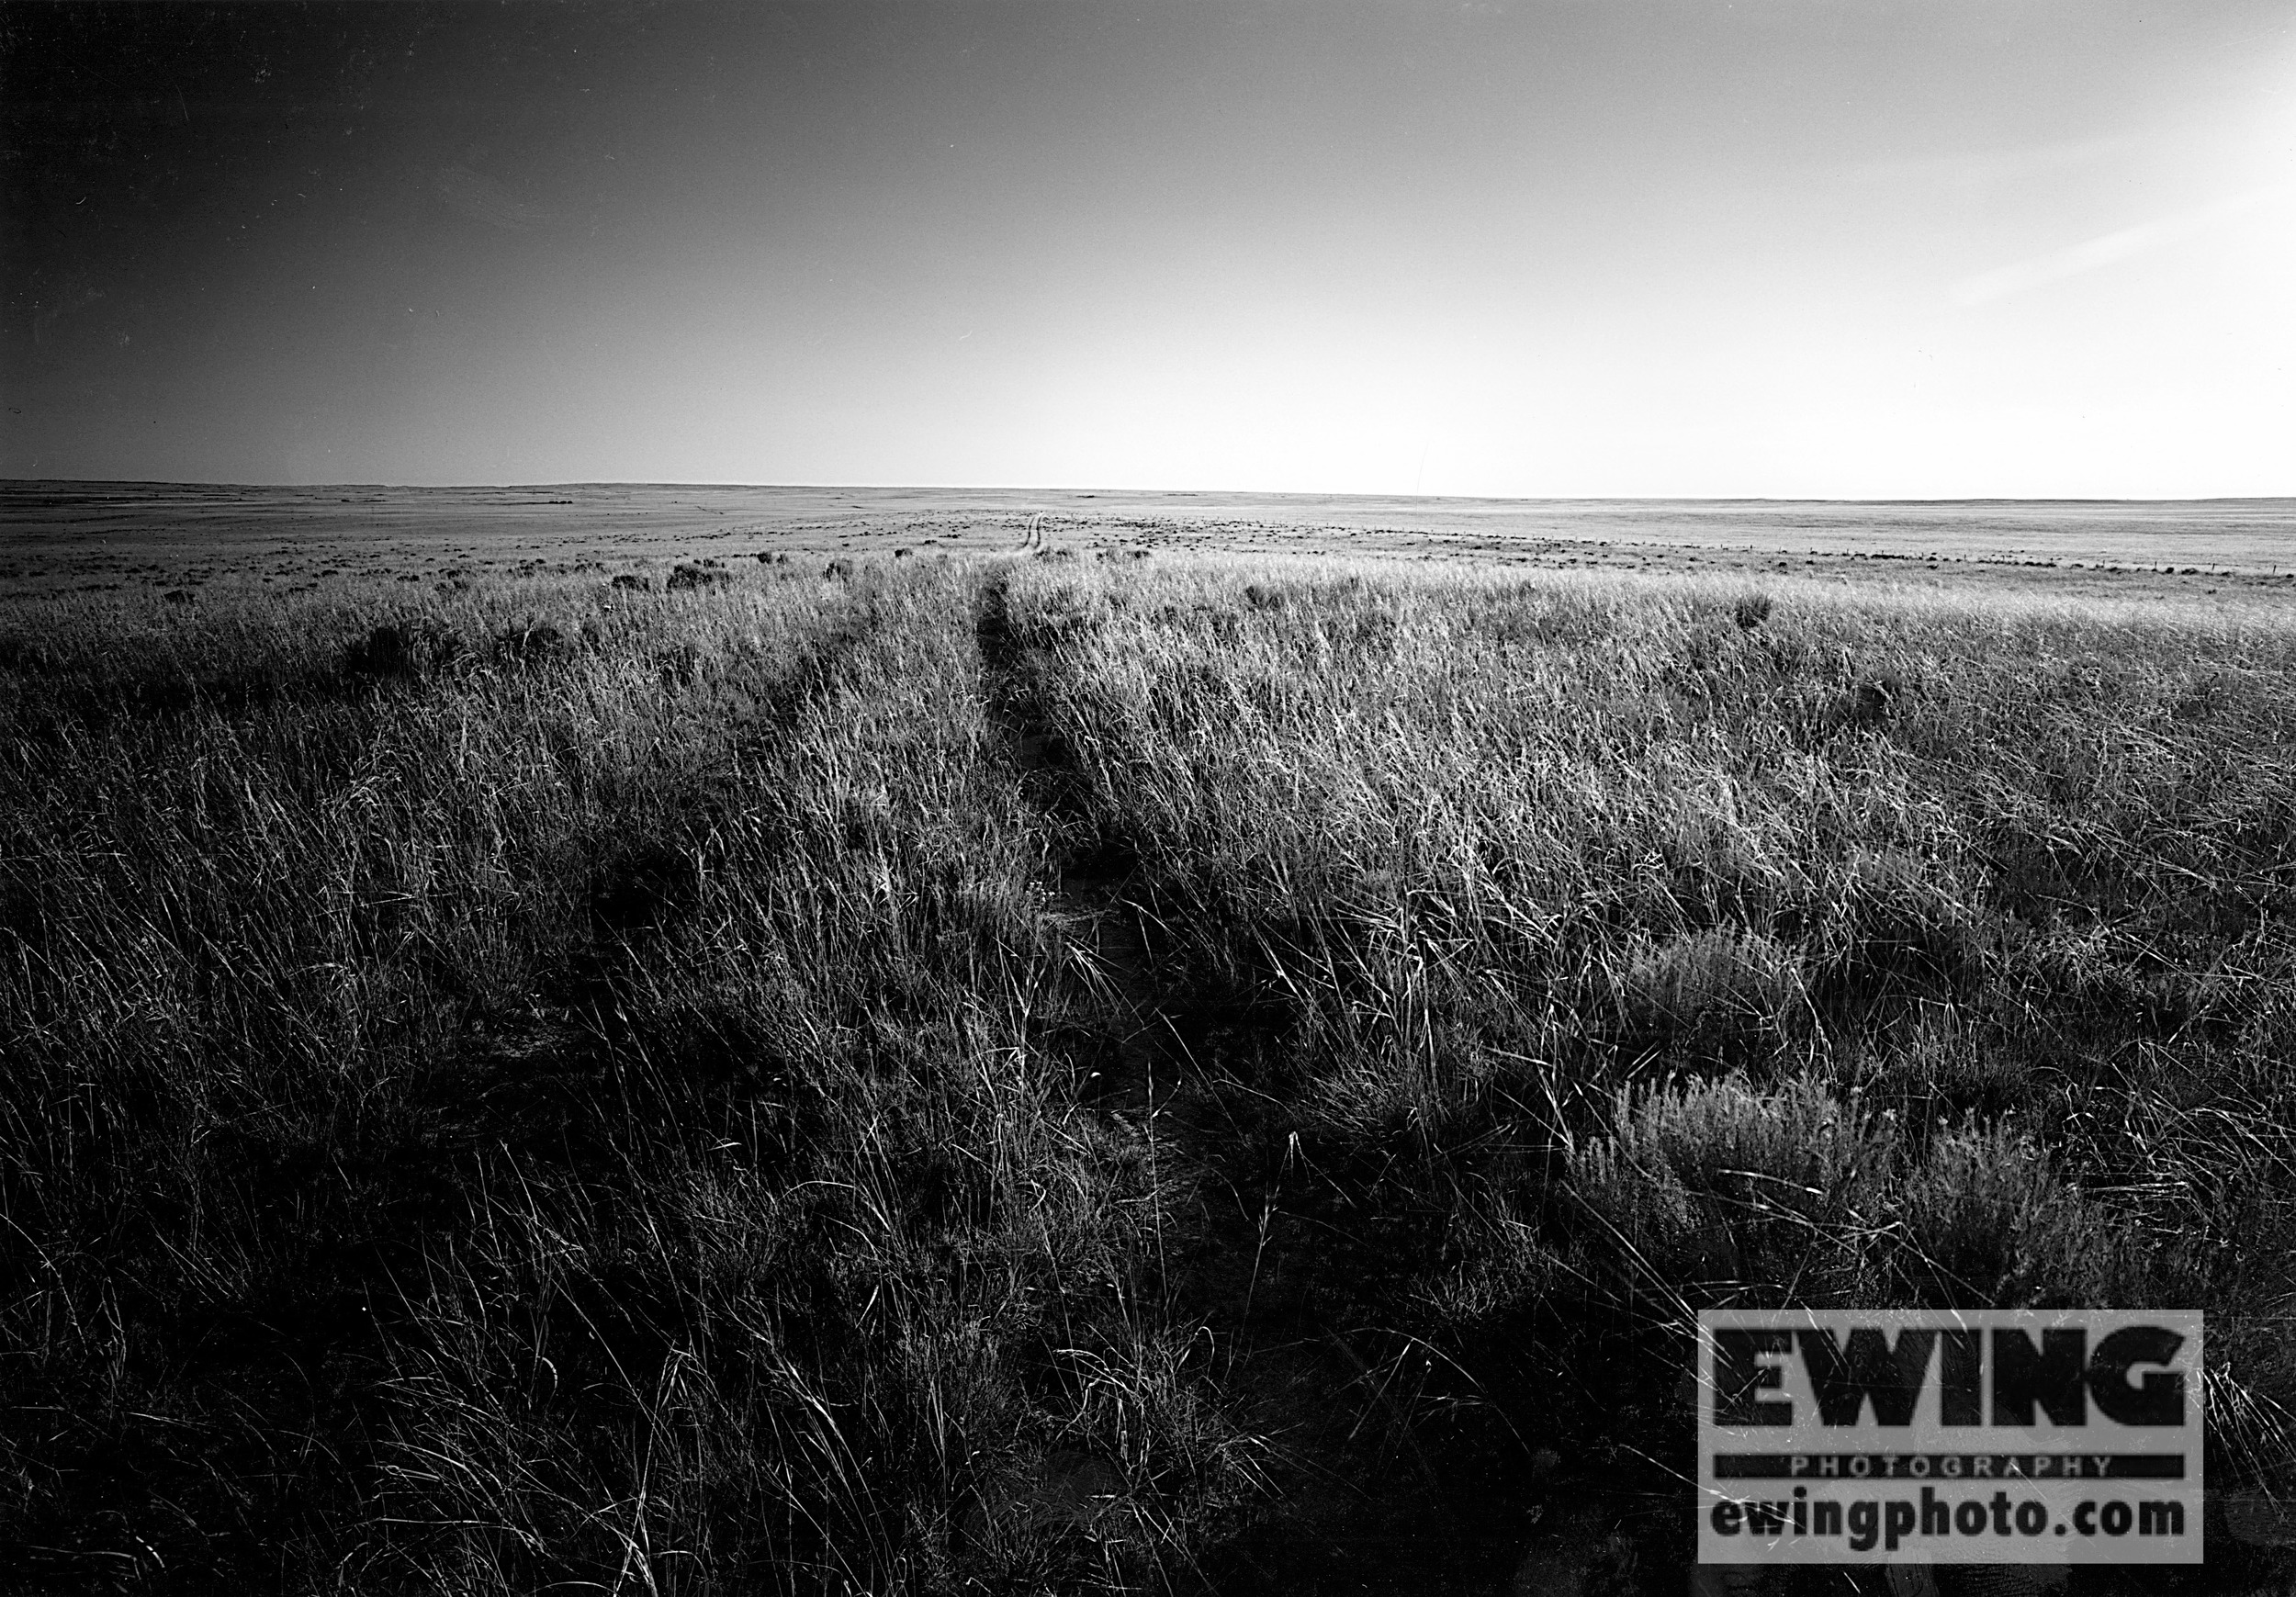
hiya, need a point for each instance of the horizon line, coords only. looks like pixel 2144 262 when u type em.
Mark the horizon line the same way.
pixel 12 481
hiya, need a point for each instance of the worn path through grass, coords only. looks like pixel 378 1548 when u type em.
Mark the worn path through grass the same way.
pixel 1270 1262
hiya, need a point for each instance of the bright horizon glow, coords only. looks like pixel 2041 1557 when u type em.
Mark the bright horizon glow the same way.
pixel 1649 248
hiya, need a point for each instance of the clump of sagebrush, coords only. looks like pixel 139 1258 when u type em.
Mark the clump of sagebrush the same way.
pixel 1713 1185
pixel 1713 991
pixel 1486 850
pixel 1714 1192
pixel 577 1115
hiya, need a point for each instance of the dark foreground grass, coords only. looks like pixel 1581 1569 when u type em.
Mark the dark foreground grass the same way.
pixel 519 1091
pixel 550 1086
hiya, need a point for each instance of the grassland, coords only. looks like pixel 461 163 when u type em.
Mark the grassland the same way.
pixel 117 537
pixel 998 1074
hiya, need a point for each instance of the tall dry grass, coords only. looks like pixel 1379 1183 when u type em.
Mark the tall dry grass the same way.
pixel 546 1085
pixel 558 1085
pixel 1632 946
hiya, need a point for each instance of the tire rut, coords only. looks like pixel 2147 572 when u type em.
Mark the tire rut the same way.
pixel 1111 958
pixel 1252 1268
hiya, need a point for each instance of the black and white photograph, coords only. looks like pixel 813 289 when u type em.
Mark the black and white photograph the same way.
pixel 976 798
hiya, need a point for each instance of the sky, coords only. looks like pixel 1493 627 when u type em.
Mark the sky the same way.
pixel 1538 248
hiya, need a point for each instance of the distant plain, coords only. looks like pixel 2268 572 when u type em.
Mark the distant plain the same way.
pixel 88 535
